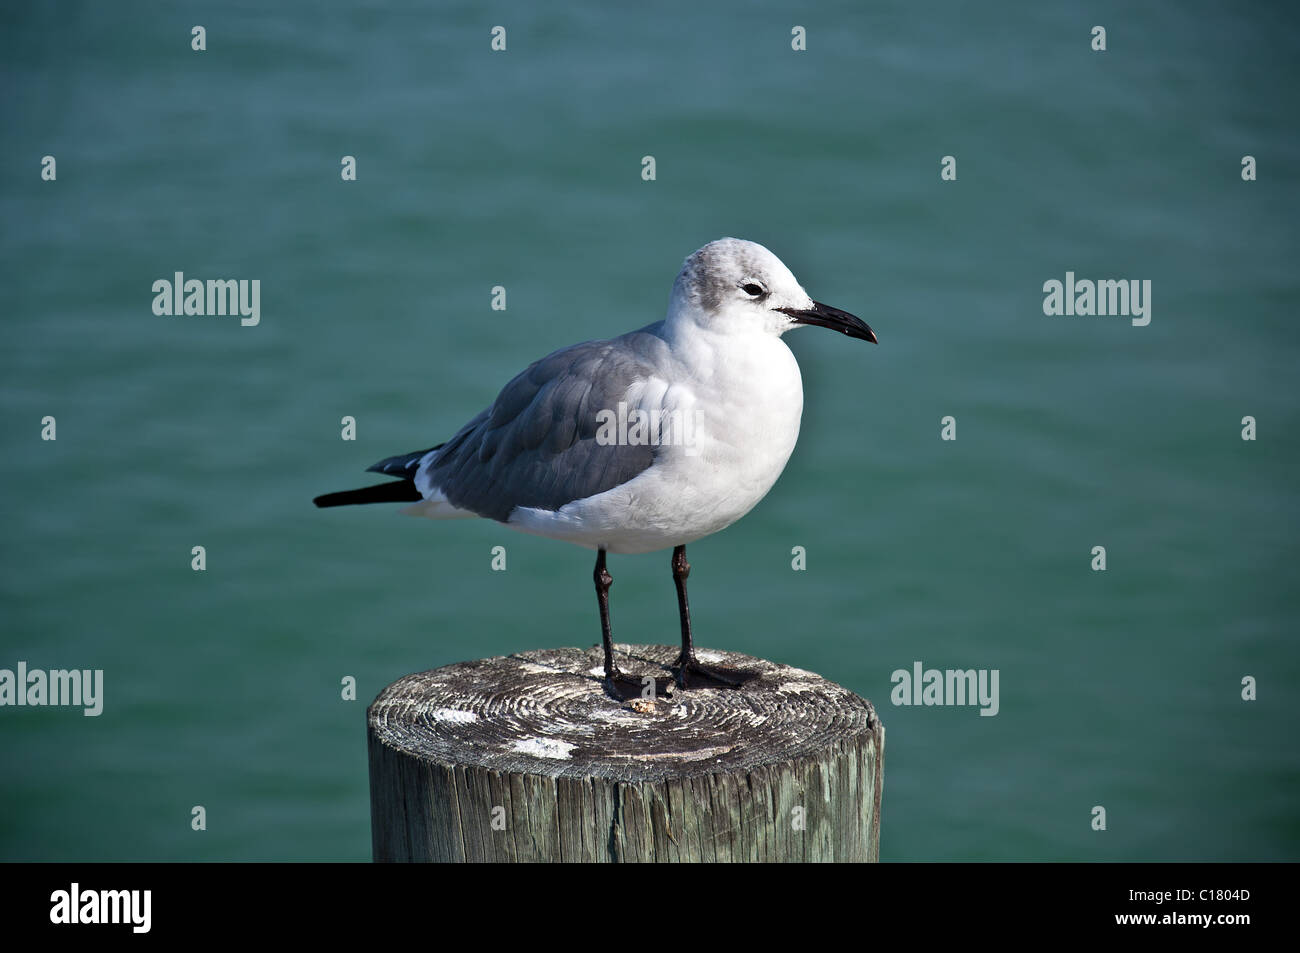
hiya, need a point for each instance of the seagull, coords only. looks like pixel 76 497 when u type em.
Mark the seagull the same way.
pixel 639 443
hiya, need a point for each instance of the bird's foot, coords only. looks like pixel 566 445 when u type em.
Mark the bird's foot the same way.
pixel 692 673
pixel 626 687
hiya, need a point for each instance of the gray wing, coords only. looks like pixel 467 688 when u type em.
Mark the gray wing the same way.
pixel 536 445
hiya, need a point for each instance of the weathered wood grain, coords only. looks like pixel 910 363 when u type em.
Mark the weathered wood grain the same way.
pixel 525 758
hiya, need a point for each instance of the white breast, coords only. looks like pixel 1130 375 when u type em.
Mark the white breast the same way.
pixel 742 399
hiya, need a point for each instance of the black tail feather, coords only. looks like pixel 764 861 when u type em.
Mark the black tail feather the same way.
pixel 395 491
pixel 403 465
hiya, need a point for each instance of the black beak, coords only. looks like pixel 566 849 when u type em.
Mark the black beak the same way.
pixel 824 316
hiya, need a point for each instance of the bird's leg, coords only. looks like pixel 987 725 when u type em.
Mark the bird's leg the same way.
pixel 690 671
pixel 681 572
pixel 603 581
pixel 621 686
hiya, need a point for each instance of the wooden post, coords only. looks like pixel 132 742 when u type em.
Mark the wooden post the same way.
pixel 525 758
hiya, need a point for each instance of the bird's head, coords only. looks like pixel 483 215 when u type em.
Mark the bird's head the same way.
pixel 735 286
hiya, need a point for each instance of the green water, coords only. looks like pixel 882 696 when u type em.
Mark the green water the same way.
pixel 523 169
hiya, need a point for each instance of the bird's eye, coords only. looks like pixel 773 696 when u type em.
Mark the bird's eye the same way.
pixel 753 290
